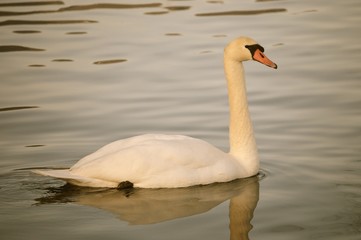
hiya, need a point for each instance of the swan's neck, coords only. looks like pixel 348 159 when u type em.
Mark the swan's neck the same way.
pixel 242 142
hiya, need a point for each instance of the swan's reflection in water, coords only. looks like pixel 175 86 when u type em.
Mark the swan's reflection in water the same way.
pixel 149 206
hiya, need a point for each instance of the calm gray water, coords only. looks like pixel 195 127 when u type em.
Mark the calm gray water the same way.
pixel 76 75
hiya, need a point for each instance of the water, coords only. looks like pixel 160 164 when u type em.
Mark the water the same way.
pixel 76 75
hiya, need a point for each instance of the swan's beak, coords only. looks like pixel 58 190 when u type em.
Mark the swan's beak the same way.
pixel 260 57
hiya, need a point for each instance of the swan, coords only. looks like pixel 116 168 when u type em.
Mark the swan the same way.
pixel 175 161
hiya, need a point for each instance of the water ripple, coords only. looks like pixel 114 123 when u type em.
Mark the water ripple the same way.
pixel 16 108
pixel 76 33
pixel 110 61
pixel 242 12
pixel 178 8
pixel 26 31
pixel 62 60
pixel 22 4
pixel 16 48
pixel 108 6
pixel 84 7
pixel 43 22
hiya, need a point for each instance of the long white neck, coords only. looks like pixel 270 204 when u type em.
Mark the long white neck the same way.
pixel 242 142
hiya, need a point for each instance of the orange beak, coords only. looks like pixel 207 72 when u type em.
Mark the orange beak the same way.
pixel 260 57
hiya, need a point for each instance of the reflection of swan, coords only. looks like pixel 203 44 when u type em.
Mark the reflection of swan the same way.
pixel 167 161
pixel 241 210
pixel 148 206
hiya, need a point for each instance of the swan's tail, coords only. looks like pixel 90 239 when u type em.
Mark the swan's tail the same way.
pixel 69 177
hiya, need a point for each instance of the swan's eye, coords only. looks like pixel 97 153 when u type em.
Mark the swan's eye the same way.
pixel 254 47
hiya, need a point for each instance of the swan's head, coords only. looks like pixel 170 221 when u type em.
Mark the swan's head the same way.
pixel 244 49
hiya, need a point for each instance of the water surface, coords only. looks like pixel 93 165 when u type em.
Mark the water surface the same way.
pixel 76 75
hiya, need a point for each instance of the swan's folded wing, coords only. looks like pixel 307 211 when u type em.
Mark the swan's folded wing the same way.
pixel 66 175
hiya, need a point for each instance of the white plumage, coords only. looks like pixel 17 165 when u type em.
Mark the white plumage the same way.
pixel 152 161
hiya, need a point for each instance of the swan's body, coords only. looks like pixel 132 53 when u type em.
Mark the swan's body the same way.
pixel 170 161
pixel 151 161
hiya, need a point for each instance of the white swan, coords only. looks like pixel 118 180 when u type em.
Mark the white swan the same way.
pixel 172 161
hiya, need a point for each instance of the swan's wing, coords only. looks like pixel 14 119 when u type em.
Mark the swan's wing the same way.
pixel 126 143
pixel 158 161
pixel 66 175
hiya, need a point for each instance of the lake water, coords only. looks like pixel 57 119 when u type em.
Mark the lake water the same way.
pixel 76 75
